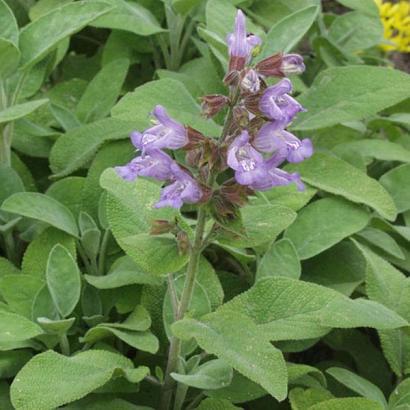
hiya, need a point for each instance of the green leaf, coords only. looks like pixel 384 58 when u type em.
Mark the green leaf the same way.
pixel 40 37
pixel 235 339
pixel 20 110
pixel 342 94
pixel 124 272
pixel 63 280
pixel 381 240
pixel 287 33
pixel 347 404
pixel 302 399
pixel 365 6
pixel 130 211
pixel 36 256
pixel 387 285
pixel 76 147
pixel 10 182
pixel 281 259
pixel 43 7
pixel 10 57
pixel 19 291
pixel 184 6
pixel 128 16
pixel 144 341
pixel 382 150
pixel 67 191
pixel 214 374
pixel 16 328
pixel 396 182
pixel 216 404
pixel 8 25
pixel 258 224
pixel 137 106
pixel 289 309
pixel 43 208
pixel 338 177
pixel 356 31
pixel 324 223
pixel 102 91
pixel 358 384
pixel 240 390
pixel 51 380
pixel 56 327
pixel 341 268
pixel 400 396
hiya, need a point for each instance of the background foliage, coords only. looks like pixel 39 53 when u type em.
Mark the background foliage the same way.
pixel 305 307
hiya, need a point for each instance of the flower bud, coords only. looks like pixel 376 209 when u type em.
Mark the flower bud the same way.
pixel 250 82
pixel 281 65
pixel 212 104
pixel 232 78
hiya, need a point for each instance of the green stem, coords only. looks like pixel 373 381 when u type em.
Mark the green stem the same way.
pixel 186 297
pixel 64 345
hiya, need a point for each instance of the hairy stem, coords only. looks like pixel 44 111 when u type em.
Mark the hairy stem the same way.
pixel 186 297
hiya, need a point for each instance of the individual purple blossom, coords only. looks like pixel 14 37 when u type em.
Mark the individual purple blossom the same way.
pixel 272 138
pixel 277 105
pixel 166 133
pixel 240 44
pixel 248 164
pixel 183 189
pixel 277 176
pixel 156 165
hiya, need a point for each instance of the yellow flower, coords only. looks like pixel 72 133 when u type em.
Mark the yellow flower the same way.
pixel 396 22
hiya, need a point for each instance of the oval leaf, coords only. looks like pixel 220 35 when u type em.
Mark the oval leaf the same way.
pixel 338 177
pixel 63 280
pixel 43 208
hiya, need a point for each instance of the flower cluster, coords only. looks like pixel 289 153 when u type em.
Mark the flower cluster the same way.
pixel 155 163
pixel 271 107
pixel 254 142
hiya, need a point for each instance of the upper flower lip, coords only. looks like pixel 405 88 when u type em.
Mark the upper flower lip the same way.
pixel 241 44
pixel 166 133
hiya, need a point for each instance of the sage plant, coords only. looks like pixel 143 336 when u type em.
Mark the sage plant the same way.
pixel 219 174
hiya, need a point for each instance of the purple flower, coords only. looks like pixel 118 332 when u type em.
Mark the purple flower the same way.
pixel 280 177
pixel 183 189
pixel 248 164
pixel 240 44
pixel 167 133
pixel 272 138
pixel 292 64
pixel 277 105
pixel 156 164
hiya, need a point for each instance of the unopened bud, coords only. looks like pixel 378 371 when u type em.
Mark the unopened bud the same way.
pixel 250 82
pixel 232 78
pixel 293 64
pixel 212 104
pixel 281 65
